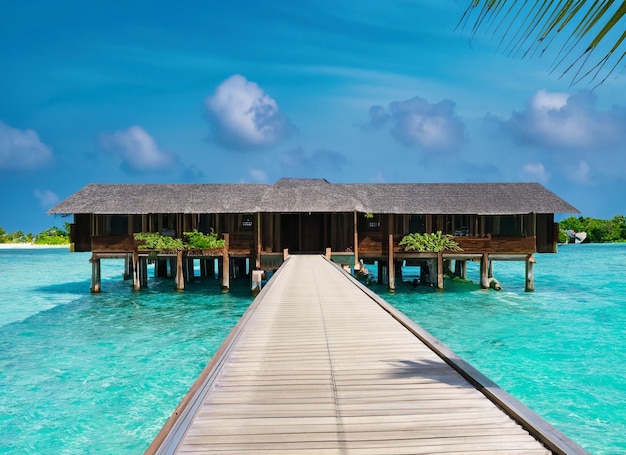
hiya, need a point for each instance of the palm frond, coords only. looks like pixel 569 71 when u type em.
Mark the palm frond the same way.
pixel 591 32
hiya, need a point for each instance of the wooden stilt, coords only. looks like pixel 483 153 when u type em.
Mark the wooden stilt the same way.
pixel 190 270
pixel 464 270
pixel 95 274
pixel 484 271
pixel 143 272
pixel 226 264
pixel 180 278
pixel 391 267
pixel 211 267
pixel 440 271
pixel 136 279
pixel 357 262
pixel 328 254
pixel 127 268
pixel 259 245
pixel 285 254
pixel 530 274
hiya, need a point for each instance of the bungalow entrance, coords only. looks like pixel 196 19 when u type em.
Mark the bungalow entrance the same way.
pixel 304 232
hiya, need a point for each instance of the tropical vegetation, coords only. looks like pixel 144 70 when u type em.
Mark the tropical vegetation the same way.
pixel 598 231
pixel 194 240
pixel 156 241
pixel 590 34
pixel 433 242
pixel 51 236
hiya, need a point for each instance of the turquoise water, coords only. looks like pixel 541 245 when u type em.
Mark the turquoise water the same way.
pixel 100 373
pixel 561 350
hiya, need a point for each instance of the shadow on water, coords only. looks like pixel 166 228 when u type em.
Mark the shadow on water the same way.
pixel 74 287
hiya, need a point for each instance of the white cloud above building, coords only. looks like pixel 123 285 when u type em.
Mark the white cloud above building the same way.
pixel 566 122
pixel 432 128
pixel 46 198
pixel 244 117
pixel 137 150
pixel 22 149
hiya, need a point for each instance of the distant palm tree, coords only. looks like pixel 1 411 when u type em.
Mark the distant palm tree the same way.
pixel 532 26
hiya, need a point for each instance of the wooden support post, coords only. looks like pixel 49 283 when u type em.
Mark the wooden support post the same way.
pixel 464 270
pixel 136 279
pixel 143 272
pixel 180 276
pixel 158 267
pixel 127 268
pixel 440 271
pixel 190 270
pixel 285 254
pixel 328 254
pixel 95 274
pixel 226 264
pixel 457 268
pixel 357 262
pixel 530 275
pixel 259 245
pixel 392 267
pixel 211 267
pixel 484 271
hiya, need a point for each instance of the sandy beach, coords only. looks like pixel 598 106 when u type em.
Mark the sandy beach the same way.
pixel 24 246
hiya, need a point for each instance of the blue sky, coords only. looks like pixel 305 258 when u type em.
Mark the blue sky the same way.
pixel 246 91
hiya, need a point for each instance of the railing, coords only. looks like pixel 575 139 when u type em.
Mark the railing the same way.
pixel 470 244
pixel 113 244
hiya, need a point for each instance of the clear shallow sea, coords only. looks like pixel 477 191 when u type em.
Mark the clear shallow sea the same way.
pixel 100 373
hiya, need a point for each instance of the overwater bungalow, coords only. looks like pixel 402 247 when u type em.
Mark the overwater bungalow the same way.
pixel 353 224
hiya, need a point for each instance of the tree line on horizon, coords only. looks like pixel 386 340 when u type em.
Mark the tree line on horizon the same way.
pixel 598 230
pixel 52 236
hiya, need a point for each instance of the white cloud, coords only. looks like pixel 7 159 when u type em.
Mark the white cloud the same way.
pixel 297 162
pixel 22 149
pixel 46 198
pixel 137 149
pixel 258 175
pixel 535 172
pixel 418 123
pixel 544 101
pixel 562 121
pixel 581 173
pixel 244 117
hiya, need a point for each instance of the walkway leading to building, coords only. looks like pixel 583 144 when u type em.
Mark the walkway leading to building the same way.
pixel 319 364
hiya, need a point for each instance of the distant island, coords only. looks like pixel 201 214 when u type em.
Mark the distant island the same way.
pixel 51 236
pixel 597 231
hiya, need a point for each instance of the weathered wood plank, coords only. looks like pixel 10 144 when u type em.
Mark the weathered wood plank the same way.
pixel 320 367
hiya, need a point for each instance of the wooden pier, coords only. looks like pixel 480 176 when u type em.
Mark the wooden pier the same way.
pixel 320 364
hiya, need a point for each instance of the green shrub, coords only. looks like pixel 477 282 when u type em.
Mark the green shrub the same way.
pixel 156 241
pixel 199 241
pixel 434 242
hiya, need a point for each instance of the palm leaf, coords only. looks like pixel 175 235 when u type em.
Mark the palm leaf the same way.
pixel 583 26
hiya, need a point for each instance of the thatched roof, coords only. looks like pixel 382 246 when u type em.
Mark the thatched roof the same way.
pixel 315 195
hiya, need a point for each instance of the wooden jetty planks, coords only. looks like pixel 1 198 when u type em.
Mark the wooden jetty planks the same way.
pixel 320 367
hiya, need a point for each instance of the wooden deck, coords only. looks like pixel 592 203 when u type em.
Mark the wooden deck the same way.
pixel 319 364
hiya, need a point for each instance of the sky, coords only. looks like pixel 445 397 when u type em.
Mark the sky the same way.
pixel 246 91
